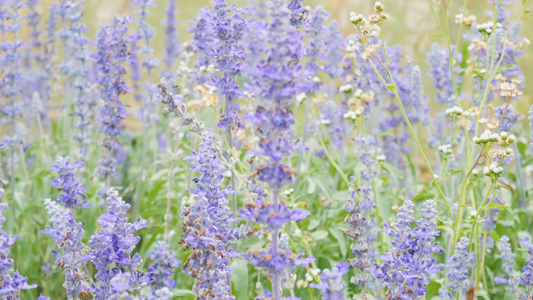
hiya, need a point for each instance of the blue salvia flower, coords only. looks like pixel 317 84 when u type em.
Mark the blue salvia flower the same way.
pixel 207 226
pixel 69 12
pixel 148 111
pixel 68 235
pixel 526 278
pixel 111 52
pixel 171 40
pixel 507 256
pixel 275 78
pixel 72 190
pixel 298 12
pixel 332 285
pixel 458 266
pixel 227 25
pixel 439 62
pixel 406 271
pixel 81 81
pixel 10 285
pixel 11 60
pixel 162 269
pixel 114 244
pixel 358 232
pixel 202 35
pixel 420 109
pixel 41 297
pixel 314 30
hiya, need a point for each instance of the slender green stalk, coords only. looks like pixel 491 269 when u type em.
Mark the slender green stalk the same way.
pixel 406 118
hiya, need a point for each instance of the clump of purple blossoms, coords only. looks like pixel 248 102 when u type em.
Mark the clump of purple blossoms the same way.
pixel 10 284
pixel 112 51
pixel 439 62
pixel 114 244
pixel 227 25
pixel 274 78
pixel 407 270
pixel 526 278
pixel 171 41
pixel 507 256
pixel 148 111
pixel 332 285
pixel 358 232
pixel 72 191
pixel 458 266
pixel 68 235
pixel 165 261
pixel 10 61
pixel 207 226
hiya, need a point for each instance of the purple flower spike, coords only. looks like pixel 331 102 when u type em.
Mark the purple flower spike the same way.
pixel 115 244
pixel 526 278
pixel 332 285
pixel 68 235
pixel 112 52
pixel 207 226
pixel 11 285
pixel 406 271
pixel 72 190
pixel 162 268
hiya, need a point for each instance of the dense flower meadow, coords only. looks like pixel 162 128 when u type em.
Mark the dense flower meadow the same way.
pixel 277 157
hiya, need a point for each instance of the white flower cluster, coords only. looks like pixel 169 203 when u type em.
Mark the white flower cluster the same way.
pixel 351 48
pixel 352 115
pixel 456 112
pixel 494 171
pixel 506 139
pixel 488 27
pixel 446 149
pixel 345 89
pixel 308 278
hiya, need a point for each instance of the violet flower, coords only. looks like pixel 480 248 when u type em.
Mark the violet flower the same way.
pixel 457 267
pixel 162 269
pixel 171 40
pixel 148 111
pixel 439 61
pixel 358 232
pixel 68 235
pixel 526 278
pixel 114 244
pixel 72 190
pixel 406 271
pixel 207 226
pixel 112 51
pixel 226 24
pixel 10 284
pixel 332 285
pixel 275 78
pixel 507 256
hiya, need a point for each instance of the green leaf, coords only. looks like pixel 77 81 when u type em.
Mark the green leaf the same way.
pixel 339 236
pixel 496 206
pixel 313 223
pixel 155 190
pixel 319 235
pixel 183 292
pixel 423 195
pixel 391 87
pixel 239 276
pixel 433 289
